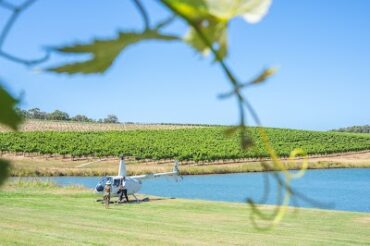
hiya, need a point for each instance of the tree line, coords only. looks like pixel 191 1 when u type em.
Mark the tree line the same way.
pixel 37 114
pixel 358 129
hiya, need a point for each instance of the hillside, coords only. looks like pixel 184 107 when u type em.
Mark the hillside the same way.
pixel 196 144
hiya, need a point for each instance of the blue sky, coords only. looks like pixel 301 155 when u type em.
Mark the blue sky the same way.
pixel 321 47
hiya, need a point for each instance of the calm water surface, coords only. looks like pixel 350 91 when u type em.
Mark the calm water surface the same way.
pixel 341 189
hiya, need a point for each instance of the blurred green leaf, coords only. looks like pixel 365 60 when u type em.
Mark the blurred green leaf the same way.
pixel 212 27
pixel 4 170
pixel 212 17
pixel 231 130
pixel 216 33
pixel 246 141
pixel 104 52
pixel 8 115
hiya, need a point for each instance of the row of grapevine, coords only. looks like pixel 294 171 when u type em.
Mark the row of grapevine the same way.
pixel 208 143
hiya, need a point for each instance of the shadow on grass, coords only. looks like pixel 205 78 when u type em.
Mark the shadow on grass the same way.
pixel 145 199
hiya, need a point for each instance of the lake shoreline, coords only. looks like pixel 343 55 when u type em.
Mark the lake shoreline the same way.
pixel 209 169
pixel 35 166
pixel 334 189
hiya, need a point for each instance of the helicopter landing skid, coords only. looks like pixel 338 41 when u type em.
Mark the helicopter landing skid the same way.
pixel 145 199
pixel 137 200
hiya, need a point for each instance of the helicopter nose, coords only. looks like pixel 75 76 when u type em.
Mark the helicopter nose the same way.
pixel 99 188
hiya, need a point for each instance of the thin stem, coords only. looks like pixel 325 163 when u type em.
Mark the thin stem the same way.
pixel 27 4
pixel 12 19
pixel 165 22
pixel 241 113
pixel 8 26
pixel 252 111
pixel 7 5
pixel 235 90
pixel 24 61
pixel 143 13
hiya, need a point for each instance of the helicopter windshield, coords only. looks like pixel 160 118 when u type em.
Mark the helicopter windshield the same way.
pixel 104 180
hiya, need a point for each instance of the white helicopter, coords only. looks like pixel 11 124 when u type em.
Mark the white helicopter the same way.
pixel 132 183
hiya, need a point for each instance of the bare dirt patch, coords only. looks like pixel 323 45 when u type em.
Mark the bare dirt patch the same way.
pixel 351 157
pixel 48 125
pixel 363 220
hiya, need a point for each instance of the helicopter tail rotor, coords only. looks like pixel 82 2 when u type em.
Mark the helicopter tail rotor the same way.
pixel 176 170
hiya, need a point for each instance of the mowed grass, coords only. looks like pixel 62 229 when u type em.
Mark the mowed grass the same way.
pixel 43 214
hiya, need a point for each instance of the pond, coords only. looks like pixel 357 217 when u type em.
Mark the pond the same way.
pixel 340 189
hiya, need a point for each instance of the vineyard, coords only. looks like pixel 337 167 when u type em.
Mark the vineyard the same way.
pixel 196 144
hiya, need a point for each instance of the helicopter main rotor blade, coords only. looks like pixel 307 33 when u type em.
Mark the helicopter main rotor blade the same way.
pixel 89 163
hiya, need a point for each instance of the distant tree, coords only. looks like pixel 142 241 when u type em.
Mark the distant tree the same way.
pixel 356 129
pixel 36 113
pixel 111 118
pixel 58 115
pixel 81 118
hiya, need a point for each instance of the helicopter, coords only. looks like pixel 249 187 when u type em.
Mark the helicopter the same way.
pixel 133 183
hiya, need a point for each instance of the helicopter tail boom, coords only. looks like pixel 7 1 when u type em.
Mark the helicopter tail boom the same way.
pixel 174 173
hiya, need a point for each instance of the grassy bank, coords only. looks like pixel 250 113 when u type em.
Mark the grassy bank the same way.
pixel 41 167
pixel 43 214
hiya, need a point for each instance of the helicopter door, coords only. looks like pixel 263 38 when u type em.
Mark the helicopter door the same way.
pixel 116 183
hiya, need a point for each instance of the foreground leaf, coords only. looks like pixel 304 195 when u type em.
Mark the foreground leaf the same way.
pixel 8 115
pixel 4 170
pixel 104 52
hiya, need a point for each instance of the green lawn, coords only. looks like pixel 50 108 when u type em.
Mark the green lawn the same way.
pixel 37 215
